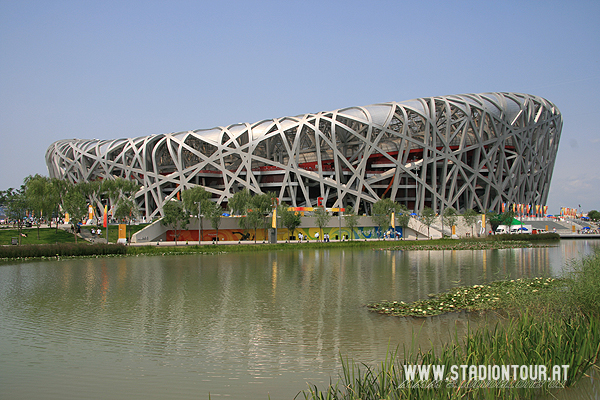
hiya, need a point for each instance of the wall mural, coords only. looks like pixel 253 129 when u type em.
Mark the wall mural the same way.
pixel 360 233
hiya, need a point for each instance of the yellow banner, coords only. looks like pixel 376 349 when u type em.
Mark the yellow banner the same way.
pixel 122 231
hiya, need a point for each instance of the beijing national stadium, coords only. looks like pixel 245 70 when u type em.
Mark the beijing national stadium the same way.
pixel 470 151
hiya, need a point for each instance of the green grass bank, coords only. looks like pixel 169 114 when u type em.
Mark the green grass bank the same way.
pixel 50 236
pixel 30 236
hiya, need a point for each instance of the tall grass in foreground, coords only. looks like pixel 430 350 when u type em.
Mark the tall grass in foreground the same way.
pixel 562 329
pixel 583 282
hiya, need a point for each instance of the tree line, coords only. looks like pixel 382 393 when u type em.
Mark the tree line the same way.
pixel 46 198
pixel 256 211
pixel 40 199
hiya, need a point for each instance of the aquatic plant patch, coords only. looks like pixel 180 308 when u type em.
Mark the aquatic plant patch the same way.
pixel 468 245
pixel 496 295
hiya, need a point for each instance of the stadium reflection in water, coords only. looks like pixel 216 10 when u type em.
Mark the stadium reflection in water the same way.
pixel 237 325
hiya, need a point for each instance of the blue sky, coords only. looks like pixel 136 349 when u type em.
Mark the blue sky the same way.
pixel 112 69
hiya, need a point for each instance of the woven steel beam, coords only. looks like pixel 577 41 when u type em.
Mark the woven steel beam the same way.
pixel 464 151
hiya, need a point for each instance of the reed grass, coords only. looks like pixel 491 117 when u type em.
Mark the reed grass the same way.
pixel 527 340
pixel 559 325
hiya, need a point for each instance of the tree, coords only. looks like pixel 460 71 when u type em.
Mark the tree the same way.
pixel 251 220
pixel 428 216
pixel 195 200
pixel 594 215
pixel 15 203
pixel 351 221
pixel 450 217
pixel 382 213
pixel 41 198
pixel 238 203
pixel 403 218
pixel 126 209
pixel 470 216
pixel 290 219
pixel 496 219
pixel 60 188
pixel 117 189
pixel 174 215
pixel 214 212
pixel 322 218
pixel 261 203
pixel 91 191
pixel 74 203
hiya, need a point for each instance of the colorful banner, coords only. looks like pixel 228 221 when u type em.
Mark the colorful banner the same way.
pixel 122 232
pixel 105 221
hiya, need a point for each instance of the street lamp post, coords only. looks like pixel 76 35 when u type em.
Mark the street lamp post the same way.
pixel 200 223
pixel 340 224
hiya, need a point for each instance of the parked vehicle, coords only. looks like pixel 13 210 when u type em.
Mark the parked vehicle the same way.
pixel 514 229
pixel 521 229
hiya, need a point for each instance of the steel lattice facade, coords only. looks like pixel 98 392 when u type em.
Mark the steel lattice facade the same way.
pixel 465 151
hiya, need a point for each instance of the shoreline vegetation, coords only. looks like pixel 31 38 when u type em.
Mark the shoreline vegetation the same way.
pixel 541 321
pixel 86 249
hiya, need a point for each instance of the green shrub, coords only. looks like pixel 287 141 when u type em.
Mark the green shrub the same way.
pixel 61 250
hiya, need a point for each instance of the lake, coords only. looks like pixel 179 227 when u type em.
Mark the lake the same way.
pixel 239 326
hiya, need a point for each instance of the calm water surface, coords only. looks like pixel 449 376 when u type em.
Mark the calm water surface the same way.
pixel 240 326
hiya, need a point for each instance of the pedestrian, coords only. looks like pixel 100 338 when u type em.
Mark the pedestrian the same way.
pixel 93 232
pixel 98 231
